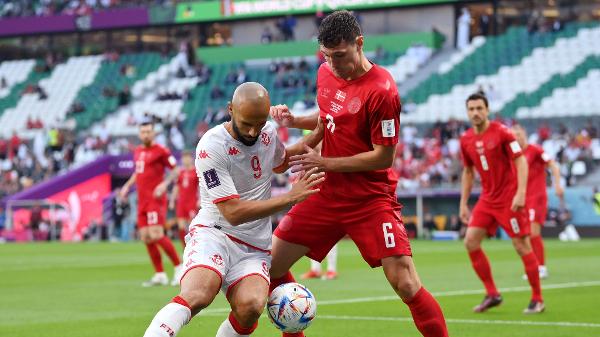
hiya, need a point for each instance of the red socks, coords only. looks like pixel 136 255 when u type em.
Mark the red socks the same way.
pixel 240 329
pixel 287 278
pixel 166 244
pixel 427 314
pixel 155 257
pixel 538 248
pixel 182 233
pixel 481 264
pixel 533 276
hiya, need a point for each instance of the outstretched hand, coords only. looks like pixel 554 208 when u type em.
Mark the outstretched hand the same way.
pixel 307 161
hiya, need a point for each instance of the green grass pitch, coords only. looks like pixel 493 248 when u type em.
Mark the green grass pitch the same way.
pixel 93 289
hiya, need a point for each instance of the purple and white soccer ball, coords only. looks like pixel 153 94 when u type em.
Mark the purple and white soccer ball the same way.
pixel 291 307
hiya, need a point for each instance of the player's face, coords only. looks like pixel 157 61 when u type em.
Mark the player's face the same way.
pixel 343 59
pixel 519 133
pixel 187 160
pixel 477 112
pixel 248 122
pixel 147 134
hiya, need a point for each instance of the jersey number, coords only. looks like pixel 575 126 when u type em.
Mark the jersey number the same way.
pixel 255 163
pixel 330 123
pixel 515 225
pixel 139 166
pixel 388 237
pixel 484 163
pixel 152 218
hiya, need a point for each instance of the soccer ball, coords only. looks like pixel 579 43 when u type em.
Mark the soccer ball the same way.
pixel 291 307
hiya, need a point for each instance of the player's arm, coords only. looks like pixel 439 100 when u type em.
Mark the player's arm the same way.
pixel 555 171
pixel 125 189
pixel 466 186
pixel 237 211
pixel 173 174
pixel 173 198
pixel 283 116
pixel 522 171
pixel 308 142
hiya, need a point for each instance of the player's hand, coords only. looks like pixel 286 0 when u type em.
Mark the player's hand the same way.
pixel 305 162
pixel 560 192
pixel 160 190
pixel 172 204
pixel 281 115
pixel 464 214
pixel 123 193
pixel 305 186
pixel 518 202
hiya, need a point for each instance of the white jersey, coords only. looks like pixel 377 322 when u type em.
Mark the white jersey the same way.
pixel 228 169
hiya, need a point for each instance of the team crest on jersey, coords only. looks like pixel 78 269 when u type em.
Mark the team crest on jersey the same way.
pixel 265 139
pixel 354 105
pixel 233 151
pixel 211 178
pixel 202 154
pixel 324 92
pixel 217 260
pixel 479 143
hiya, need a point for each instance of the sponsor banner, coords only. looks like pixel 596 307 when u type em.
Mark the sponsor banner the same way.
pixel 119 18
pixel 34 24
pixel 236 9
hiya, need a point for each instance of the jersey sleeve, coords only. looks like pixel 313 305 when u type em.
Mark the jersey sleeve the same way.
pixel 384 118
pixel 279 156
pixel 213 173
pixel 168 159
pixel 544 156
pixel 510 143
pixel 465 155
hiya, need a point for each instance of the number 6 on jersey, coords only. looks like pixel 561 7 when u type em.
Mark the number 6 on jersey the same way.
pixel 389 237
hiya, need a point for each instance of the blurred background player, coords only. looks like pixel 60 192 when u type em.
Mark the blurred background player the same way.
pixel 358 123
pixel 184 197
pixel 151 160
pixel 493 151
pixel 230 238
pixel 537 197
pixel 316 270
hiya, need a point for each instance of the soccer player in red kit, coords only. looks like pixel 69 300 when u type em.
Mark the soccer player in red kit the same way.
pixel 492 150
pixel 184 198
pixel 358 124
pixel 537 197
pixel 151 160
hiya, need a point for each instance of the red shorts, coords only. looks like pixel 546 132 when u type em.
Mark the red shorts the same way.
pixel 152 212
pixel 186 210
pixel 516 224
pixel 319 223
pixel 537 210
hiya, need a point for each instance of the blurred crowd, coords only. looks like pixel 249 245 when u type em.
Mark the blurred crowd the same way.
pixel 12 8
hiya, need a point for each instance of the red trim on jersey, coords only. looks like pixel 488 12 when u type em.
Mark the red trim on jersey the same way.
pixel 233 196
pixel 180 300
pixel 234 239
pixel 240 279
pixel 205 267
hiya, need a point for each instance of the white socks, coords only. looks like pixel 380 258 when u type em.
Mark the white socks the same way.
pixel 227 330
pixel 332 259
pixel 169 320
pixel 315 266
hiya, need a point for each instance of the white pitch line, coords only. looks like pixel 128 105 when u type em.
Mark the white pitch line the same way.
pixel 439 294
pixel 464 321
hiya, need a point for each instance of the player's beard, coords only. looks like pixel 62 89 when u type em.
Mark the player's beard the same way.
pixel 240 137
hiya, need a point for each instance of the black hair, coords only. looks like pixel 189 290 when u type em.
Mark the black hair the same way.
pixel 337 27
pixel 478 96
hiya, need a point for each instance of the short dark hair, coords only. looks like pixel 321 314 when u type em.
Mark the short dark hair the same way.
pixel 337 27
pixel 478 96
pixel 147 121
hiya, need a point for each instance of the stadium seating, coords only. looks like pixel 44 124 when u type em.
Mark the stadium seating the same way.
pixel 13 91
pixel 14 72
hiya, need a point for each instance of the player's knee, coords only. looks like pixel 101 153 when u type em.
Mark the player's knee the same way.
pixel 471 244
pixel 249 308
pixel 407 287
pixel 197 299
pixel 521 246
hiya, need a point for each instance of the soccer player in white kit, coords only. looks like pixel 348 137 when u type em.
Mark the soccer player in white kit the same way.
pixel 228 246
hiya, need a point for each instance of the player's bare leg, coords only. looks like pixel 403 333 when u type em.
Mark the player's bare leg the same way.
pixel 199 288
pixel 248 299
pixel 481 265
pixel 284 254
pixel 537 244
pixel 428 317
pixel 157 235
pixel 523 247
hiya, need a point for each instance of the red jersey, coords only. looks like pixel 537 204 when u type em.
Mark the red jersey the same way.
pixel 536 181
pixel 356 115
pixel 187 184
pixel 492 153
pixel 150 164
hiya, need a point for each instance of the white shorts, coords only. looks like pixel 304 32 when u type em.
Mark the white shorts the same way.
pixel 208 247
